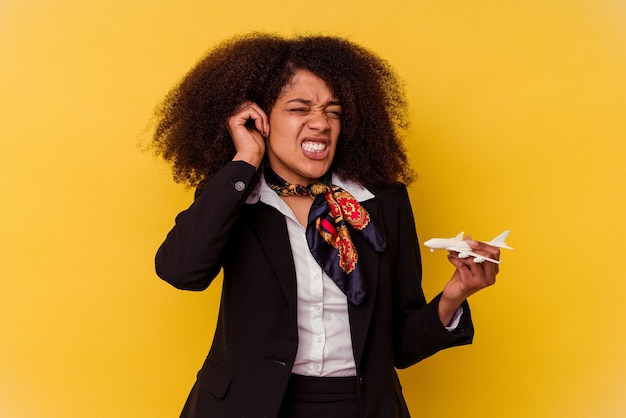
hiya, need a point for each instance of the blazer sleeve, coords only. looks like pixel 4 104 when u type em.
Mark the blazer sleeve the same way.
pixel 191 255
pixel 418 331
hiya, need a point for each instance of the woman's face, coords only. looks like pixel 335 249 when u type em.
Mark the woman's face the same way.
pixel 304 127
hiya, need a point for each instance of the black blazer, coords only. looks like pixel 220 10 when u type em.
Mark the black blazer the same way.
pixel 254 347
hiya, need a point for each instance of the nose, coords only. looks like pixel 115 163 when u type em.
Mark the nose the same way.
pixel 318 121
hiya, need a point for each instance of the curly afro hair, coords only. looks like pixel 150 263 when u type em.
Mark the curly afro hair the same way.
pixel 191 131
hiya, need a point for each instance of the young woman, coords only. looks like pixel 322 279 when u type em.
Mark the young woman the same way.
pixel 294 145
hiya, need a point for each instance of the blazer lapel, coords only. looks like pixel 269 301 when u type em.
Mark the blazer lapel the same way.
pixel 271 231
pixel 369 259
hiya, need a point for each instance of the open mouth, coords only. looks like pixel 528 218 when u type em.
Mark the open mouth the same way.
pixel 310 146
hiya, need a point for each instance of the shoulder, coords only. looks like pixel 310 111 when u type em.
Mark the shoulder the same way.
pixel 395 194
pixel 390 205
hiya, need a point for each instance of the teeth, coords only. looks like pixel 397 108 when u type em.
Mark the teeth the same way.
pixel 314 146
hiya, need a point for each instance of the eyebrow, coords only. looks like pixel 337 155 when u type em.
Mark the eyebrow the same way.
pixel 310 103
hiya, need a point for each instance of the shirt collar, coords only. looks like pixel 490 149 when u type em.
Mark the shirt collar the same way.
pixel 263 192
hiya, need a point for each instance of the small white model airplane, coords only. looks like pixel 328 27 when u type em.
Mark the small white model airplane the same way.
pixel 457 244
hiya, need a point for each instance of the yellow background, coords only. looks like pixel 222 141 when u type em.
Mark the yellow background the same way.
pixel 518 113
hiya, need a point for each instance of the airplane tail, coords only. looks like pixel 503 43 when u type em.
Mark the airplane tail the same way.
pixel 499 241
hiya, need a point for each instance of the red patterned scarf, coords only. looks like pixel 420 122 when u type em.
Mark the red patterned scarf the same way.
pixel 327 231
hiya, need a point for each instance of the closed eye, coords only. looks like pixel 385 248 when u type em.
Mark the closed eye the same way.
pixel 334 113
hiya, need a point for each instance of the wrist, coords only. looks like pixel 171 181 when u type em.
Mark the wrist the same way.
pixel 447 308
pixel 253 159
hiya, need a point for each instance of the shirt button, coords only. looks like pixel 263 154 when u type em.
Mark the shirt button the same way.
pixel 240 186
pixel 317 307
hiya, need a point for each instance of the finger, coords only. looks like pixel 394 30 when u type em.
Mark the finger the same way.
pixel 261 121
pixel 458 262
pixel 484 273
pixel 485 269
pixel 249 111
pixel 484 248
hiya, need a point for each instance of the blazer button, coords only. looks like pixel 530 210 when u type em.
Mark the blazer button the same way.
pixel 240 186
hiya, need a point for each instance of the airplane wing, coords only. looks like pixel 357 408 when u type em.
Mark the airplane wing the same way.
pixel 464 253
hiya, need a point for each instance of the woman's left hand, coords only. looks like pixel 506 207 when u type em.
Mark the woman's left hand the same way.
pixel 469 278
